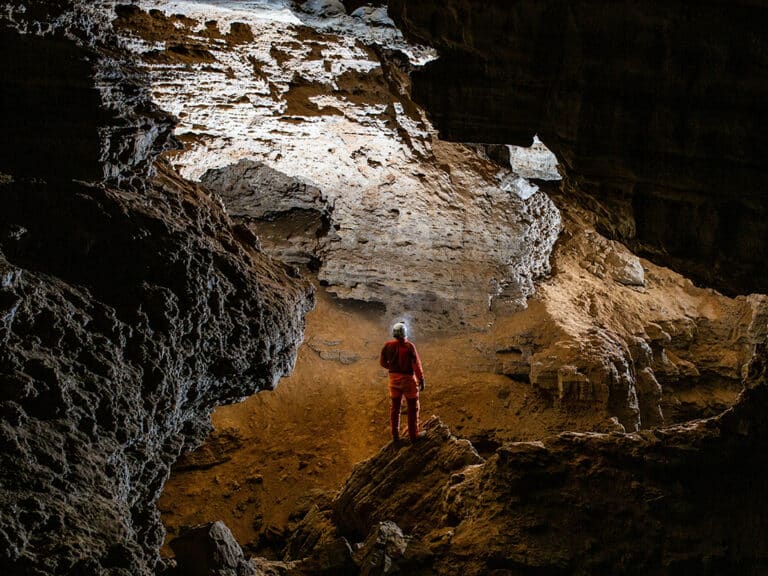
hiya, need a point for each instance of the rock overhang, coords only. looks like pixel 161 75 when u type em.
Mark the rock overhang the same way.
pixel 650 109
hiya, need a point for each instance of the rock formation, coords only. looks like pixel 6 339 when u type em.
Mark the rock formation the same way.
pixel 683 499
pixel 210 550
pixel 425 228
pixel 128 311
pixel 124 324
pixel 651 108
pixel 622 336
pixel 74 105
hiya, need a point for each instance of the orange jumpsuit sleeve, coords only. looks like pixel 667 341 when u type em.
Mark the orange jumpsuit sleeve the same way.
pixel 416 364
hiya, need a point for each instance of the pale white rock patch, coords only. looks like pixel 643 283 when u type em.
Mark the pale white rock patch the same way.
pixel 422 226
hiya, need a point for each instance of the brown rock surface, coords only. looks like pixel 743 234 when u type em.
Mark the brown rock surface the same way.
pixel 682 499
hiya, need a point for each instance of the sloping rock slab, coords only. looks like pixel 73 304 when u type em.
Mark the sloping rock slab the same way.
pixel 402 484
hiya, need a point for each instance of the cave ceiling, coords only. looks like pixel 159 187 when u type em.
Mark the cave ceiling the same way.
pixel 655 110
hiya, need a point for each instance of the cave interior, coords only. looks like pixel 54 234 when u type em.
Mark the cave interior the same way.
pixel 214 212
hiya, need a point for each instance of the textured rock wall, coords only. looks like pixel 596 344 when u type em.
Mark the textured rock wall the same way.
pixel 74 106
pixel 128 310
pixel 651 108
pixel 126 319
pixel 612 332
pixel 424 227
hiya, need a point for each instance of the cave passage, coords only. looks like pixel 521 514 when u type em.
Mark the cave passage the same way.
pixel 301 171
pixel 312 142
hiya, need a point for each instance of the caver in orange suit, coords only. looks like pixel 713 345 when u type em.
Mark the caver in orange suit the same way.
pixel 406 378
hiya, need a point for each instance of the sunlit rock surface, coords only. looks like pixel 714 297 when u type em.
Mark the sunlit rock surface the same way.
pixel 427 228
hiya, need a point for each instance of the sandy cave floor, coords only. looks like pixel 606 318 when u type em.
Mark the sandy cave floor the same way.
pixel 278 451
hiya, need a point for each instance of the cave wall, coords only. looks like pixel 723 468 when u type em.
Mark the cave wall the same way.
pixel 74 105
pixel 130 306
pixel 652 108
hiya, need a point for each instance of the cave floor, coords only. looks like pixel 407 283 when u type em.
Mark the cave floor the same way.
pixel 277 452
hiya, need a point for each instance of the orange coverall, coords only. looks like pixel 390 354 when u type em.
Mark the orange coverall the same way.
pixel 400 357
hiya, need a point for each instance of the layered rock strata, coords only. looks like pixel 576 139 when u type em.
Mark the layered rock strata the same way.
pixel 428 229
pixel 611 333
pixel 74 106
pixel 651 108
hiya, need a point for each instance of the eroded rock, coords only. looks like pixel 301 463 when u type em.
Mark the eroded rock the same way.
pixel 124 324
pixel 315 124
pixel 656 136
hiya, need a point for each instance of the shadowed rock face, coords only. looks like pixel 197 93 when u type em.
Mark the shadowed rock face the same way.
pixel 127 313
pixel 48 123
pixel 73 104
pixel 125 319
pixel 651 108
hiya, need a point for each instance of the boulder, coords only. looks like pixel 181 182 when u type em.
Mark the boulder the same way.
pixel 210 550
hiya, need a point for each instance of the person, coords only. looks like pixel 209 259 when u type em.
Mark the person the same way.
pixel 406 378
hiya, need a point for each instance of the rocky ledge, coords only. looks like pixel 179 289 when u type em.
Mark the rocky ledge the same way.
pixel 310 126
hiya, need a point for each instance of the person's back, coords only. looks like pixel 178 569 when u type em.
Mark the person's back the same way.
pixel 400 356
pixel 406 378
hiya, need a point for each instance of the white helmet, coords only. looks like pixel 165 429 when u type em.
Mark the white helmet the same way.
pixel 399 330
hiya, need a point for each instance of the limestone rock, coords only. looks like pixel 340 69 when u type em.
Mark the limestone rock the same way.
pixel 315 135
pixel 254 190
pixel 401 484
pixel 95 120
pixel 663 351
pixel 324 8
pixel 124 324
pixel 383 551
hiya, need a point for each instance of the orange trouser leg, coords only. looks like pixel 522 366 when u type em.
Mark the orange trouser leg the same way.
pixel 413 417
pixel 394 416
